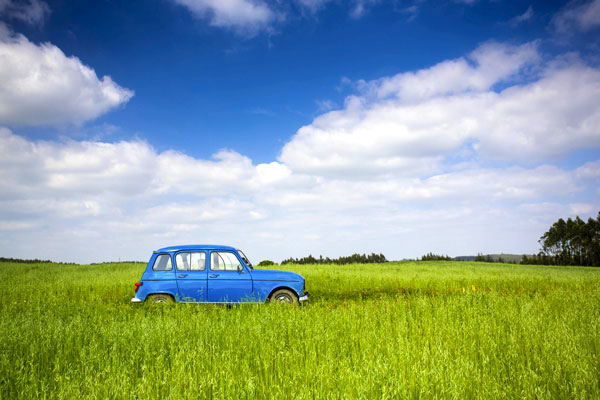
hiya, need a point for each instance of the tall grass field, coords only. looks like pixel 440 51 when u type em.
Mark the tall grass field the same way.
pixel 380 331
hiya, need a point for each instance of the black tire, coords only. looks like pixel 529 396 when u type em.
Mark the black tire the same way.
pixel 160 299
pixel 284 296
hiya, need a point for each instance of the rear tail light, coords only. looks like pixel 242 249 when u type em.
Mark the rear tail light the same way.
pixel 137 285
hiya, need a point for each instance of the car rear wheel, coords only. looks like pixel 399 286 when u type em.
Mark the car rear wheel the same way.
pixel 159 299
pixel 284 296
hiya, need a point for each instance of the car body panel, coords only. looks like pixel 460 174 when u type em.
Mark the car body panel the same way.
pixel 229 286
pixel 266 281
pixel 245 284
pixel 159 286
pixel 192 286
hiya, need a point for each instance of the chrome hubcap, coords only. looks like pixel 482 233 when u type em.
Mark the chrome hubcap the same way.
pixel 284 298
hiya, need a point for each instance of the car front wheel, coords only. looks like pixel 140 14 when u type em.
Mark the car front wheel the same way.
pixel 284 296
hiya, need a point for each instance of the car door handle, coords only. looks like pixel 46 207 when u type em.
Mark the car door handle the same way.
pixel 182 276
pixel 213 275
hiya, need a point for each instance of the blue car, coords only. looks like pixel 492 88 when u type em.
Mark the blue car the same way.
pixel 213 274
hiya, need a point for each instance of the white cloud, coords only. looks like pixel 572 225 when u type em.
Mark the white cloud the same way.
pixel 589 171
pixel 515 184
pixel 123 171
pixel 325 105
pixel 488 65
pixel 245 16
pixel 33 12
pixel 360 7
pixel 14 226
pixel 39 85
pixel 127 194
pixel 410 123
pixel 582 209
pixel 578 16
pixel 519 19
pixel 31 169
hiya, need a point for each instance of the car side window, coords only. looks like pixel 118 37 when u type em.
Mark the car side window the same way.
pixel 191 261
pixel 224 261
pixel 162 263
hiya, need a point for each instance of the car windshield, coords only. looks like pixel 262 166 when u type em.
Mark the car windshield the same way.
pixel 246 260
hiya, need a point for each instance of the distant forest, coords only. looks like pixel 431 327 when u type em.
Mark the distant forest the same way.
pixel 491 258
pixel 34 261
pixel 353 259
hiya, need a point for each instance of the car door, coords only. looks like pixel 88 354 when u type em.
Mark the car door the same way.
pixel 191 276
pixel 228 279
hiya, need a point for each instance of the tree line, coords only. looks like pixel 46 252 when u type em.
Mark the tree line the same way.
pixel 570 242
pixel 436 257
pixel 33 261
pixel 353 259
pixel 491 258
pixel 488 258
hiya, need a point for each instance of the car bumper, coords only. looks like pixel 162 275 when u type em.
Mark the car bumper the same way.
pixel 136 300
pixel 305 297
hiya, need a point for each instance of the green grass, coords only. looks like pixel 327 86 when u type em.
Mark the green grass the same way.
pixel 397 330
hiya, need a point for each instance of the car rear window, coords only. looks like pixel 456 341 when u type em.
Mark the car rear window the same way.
pixel 162 263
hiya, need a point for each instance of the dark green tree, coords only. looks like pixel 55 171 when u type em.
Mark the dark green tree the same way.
pixel 571 242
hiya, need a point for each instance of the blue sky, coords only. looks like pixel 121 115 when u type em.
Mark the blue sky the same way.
pixel 295 127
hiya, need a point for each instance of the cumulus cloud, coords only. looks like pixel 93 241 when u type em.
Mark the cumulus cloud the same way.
pixel 244 16
pixel 125 170
pixel 489 64
pixel 578 16
pixel 409 123
pixel 33 12
pixel 40 85
pixel 35 169
pixel 127 190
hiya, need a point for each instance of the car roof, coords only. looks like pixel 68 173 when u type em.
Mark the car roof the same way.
pixel 171 249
